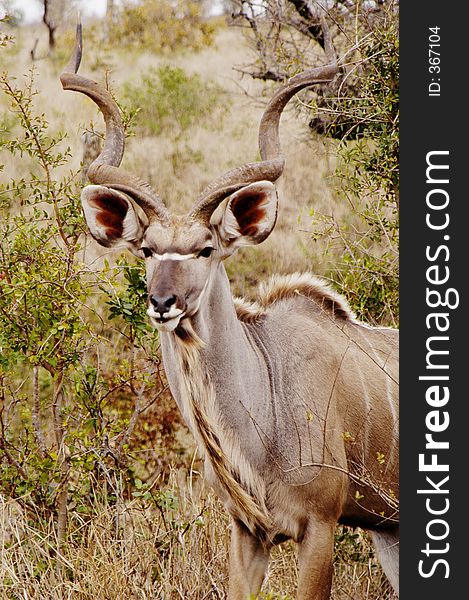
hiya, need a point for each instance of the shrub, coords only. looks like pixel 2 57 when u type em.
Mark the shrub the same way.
pixel 67 418
pixel 170 100
pixel 162 25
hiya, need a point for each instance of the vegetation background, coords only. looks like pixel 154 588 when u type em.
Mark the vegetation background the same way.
pixel 101 487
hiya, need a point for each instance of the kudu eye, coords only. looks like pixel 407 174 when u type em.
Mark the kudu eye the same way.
pixel 206 252
pixel 146 252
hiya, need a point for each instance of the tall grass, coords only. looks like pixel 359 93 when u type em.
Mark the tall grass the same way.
pixel 144 550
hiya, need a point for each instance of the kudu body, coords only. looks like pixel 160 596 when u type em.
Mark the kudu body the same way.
pixel 292 401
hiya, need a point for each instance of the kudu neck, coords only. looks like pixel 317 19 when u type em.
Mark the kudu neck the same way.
pixel 216 321
pixel 228 358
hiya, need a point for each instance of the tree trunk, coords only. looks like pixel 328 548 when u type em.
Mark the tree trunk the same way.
pixel 52 18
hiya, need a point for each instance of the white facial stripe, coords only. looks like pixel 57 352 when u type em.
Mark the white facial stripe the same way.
pixel 174 256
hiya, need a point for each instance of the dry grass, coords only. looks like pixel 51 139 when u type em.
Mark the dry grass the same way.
pixel 123 551
pixel 135 549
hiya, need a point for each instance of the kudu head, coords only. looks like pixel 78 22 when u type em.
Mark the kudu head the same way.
pixel 182 252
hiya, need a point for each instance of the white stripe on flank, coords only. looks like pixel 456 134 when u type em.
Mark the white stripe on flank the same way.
pixel 174 256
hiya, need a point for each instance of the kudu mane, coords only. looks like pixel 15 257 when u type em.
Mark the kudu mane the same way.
pixel 288 287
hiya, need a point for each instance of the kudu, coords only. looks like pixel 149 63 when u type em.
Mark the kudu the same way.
pixel 291 399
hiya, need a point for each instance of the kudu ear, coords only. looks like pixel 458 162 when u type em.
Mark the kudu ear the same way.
pixel 112 218
pixel 247 216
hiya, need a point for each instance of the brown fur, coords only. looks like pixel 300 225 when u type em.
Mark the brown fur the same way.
pixel 111 214
pixel 250 217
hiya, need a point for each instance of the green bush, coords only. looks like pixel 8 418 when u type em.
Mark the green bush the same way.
pixel 170 100
pixel 162 25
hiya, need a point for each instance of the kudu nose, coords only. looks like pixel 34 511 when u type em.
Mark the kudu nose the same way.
pixel 163 304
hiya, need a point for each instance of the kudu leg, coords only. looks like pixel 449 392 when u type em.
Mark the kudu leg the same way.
pixel 248 563
pixel 387 549
pixel 315 562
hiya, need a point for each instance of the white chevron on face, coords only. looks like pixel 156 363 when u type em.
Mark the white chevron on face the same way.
pixel 173 256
